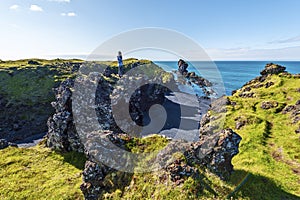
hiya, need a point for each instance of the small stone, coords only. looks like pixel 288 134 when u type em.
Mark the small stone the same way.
pixel 269 104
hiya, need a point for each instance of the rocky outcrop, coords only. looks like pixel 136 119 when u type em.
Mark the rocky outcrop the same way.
pixel 224 146
pixel 214 151
pixel 272 69
pixel 259 82
pixel 198 80
pixel 99 178
pixel 191 77
pixel 217 146
pixel 294 112
pixel 93 177
pixel 62 134
pixel 268 105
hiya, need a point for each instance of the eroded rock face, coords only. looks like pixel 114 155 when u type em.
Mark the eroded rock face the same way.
pixel 62 134
pixel 213 152
pixel 93 107
pixel 128 94
pixel 221 154
pixel 294 112
pixel 217 146
pixel 93 176
pixel 191 77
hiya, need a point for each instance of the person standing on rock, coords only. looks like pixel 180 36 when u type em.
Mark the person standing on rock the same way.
pixel 120 63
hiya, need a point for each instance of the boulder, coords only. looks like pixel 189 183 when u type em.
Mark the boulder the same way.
pixel 247 95
pixel 269 84
pixel 269 104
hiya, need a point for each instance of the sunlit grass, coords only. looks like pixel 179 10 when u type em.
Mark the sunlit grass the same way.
pixel 39 173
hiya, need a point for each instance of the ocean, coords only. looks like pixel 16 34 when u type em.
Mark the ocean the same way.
pixel 229 75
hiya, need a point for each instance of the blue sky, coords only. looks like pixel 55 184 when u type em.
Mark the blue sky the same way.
pixel 226 29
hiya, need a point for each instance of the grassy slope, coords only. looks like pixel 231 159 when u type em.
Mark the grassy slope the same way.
pixel 269 151
pixel 38 173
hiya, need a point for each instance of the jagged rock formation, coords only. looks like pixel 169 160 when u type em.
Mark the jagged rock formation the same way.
pixel 272 69
pixel 192 77
pixel 93 177
pixel 62 134
pixel 294 112
pixel 259 82
pixel 269 104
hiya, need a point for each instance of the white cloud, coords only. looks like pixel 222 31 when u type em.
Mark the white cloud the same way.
pixel 36 8
pixel 14 7
pixel 288 40
pixel 61 1
pixel 69 14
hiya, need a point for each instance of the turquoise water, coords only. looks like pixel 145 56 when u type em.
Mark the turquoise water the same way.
pixel 230 75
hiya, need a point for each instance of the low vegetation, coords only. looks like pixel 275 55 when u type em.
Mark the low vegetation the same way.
pixel 39 173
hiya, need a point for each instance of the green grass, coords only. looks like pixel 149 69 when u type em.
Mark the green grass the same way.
pixel 26 84
pixel 269 150
pixel 38 173
pixel 27 88
pixel 19 64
